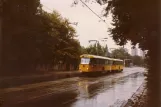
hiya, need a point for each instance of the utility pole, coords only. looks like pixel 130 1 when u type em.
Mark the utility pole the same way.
pixel 104 40
pixel 1 10
pixel 97 46
pixel 1 43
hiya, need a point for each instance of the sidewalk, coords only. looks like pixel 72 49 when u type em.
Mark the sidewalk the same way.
pixel 11 81
pixel 139 98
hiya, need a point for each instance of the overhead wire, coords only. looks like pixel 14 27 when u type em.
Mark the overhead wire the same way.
pixel 93 11
pixel 48 8
pixel 87 7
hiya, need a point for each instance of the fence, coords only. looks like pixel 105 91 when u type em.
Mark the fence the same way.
pixel 58 67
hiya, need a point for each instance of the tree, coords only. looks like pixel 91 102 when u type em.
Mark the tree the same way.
pixel 120 54
pixel 32 36
pixel 66 46
pixel 19 31
pixel 83 50
pixel 137 60
pixel 96 49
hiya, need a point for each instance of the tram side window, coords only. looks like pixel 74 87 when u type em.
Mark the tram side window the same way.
pixel 106 62
pixel 122 63
pixel 110 62
pixel 114 63
pixel 117 63
pixel 101 61
pixel 98 61
pixel 93 61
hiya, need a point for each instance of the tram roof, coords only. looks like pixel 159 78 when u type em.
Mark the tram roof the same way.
pixel 99 57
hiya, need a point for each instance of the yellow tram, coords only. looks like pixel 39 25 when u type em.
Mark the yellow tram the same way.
pixel 93 63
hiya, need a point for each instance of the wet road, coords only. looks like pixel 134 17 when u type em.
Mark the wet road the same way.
pixel 103 91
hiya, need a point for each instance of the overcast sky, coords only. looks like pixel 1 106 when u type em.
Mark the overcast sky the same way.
pixel 89 26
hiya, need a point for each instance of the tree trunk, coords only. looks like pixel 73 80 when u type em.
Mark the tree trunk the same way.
pixel 154 75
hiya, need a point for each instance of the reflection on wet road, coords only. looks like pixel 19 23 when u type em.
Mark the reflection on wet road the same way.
pixel 109 94
pixel 104 91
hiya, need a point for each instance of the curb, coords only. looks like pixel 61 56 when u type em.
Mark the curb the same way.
pixel 135 99
pixel 16 81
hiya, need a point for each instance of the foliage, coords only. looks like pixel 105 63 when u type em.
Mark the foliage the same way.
pixel 138 61
pixel 95 49
pixel 32 36
pixel 83 50
pixel 120 54
pixel 19 32
pixel 66 47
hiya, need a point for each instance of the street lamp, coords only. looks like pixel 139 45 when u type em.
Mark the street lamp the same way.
pixel 74 23
pixel 111 49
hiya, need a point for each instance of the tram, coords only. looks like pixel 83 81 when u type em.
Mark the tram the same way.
pixel 128 63
pixel 94 63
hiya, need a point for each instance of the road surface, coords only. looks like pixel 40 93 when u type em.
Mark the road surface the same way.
pixel 104 91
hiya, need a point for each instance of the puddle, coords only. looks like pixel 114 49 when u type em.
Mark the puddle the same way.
pixel 106 94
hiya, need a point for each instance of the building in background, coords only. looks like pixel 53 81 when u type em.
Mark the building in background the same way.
pixel 134 51
pixel 142 53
